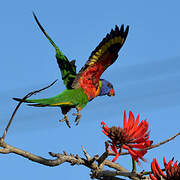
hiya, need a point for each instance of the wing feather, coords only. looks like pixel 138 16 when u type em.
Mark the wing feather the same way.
pixel 100 59
pixel 67 68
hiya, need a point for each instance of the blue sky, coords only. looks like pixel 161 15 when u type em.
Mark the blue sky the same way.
pixel 145 78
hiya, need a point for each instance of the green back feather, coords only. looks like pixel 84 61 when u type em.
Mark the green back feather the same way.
pixel 69 97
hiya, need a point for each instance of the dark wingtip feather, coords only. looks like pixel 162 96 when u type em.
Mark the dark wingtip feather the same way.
pixel 116 27
pixel 126 31
pixel 37 21
pixel 117 31
pixel 122 28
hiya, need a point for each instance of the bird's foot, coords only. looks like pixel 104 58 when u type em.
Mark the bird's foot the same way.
pixel 78 117
pixel 66 120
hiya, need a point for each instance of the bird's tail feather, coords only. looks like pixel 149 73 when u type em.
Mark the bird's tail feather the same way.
pixel 39 102
pixel 53 101
pixel 28 101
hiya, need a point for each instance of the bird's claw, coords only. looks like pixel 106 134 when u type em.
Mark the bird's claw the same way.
pixel 78 117
pixel 66 120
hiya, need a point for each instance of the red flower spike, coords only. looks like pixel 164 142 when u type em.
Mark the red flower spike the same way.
pixel 134 137
pixel 155 168
pixel 105 127
pixel 152 177
pixel 130 121
pixel 142 127
pixel 135 154
pixel 114 148
pixel 117 155
pixel 159 169
pixel 125 120
pixel 132 131
pixel 172 172
pixel 105 133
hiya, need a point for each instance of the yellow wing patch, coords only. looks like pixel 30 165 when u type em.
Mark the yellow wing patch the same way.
pixel 104 48
pixel 62 103
pixel 111 42
pixel 94 59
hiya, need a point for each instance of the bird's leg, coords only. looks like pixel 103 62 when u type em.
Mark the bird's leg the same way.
pixel 66 120
pixel 78 116
pixel 64 111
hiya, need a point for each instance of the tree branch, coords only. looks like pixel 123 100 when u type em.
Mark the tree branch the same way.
pixel 97 172
pixel 19 104
pixel 163 142
pixel 59 158
pixel 131 175
pixel 151 147
pixel 102 158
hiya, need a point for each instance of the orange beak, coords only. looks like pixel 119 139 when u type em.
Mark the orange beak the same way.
pixel 111 93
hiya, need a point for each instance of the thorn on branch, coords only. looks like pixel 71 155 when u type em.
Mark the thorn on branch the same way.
pixel 88 157
pixel 77 156
pixel 65 153
pixel 57 155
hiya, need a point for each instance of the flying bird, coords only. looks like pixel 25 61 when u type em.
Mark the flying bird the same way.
pixel 84 86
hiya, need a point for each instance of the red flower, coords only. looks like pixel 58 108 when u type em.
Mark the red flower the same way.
pixel 131 137
pixel 172 172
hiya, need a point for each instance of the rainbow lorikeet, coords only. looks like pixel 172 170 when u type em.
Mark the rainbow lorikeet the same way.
pixel 68 69
pixel 86 85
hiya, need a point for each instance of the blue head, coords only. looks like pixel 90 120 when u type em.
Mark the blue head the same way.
pixel 106 88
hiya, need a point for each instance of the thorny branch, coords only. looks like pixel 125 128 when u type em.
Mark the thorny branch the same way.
pixel 95 163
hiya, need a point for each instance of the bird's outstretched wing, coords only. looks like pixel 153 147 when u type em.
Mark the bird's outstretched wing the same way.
pixel 68 69
pixel 100 59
